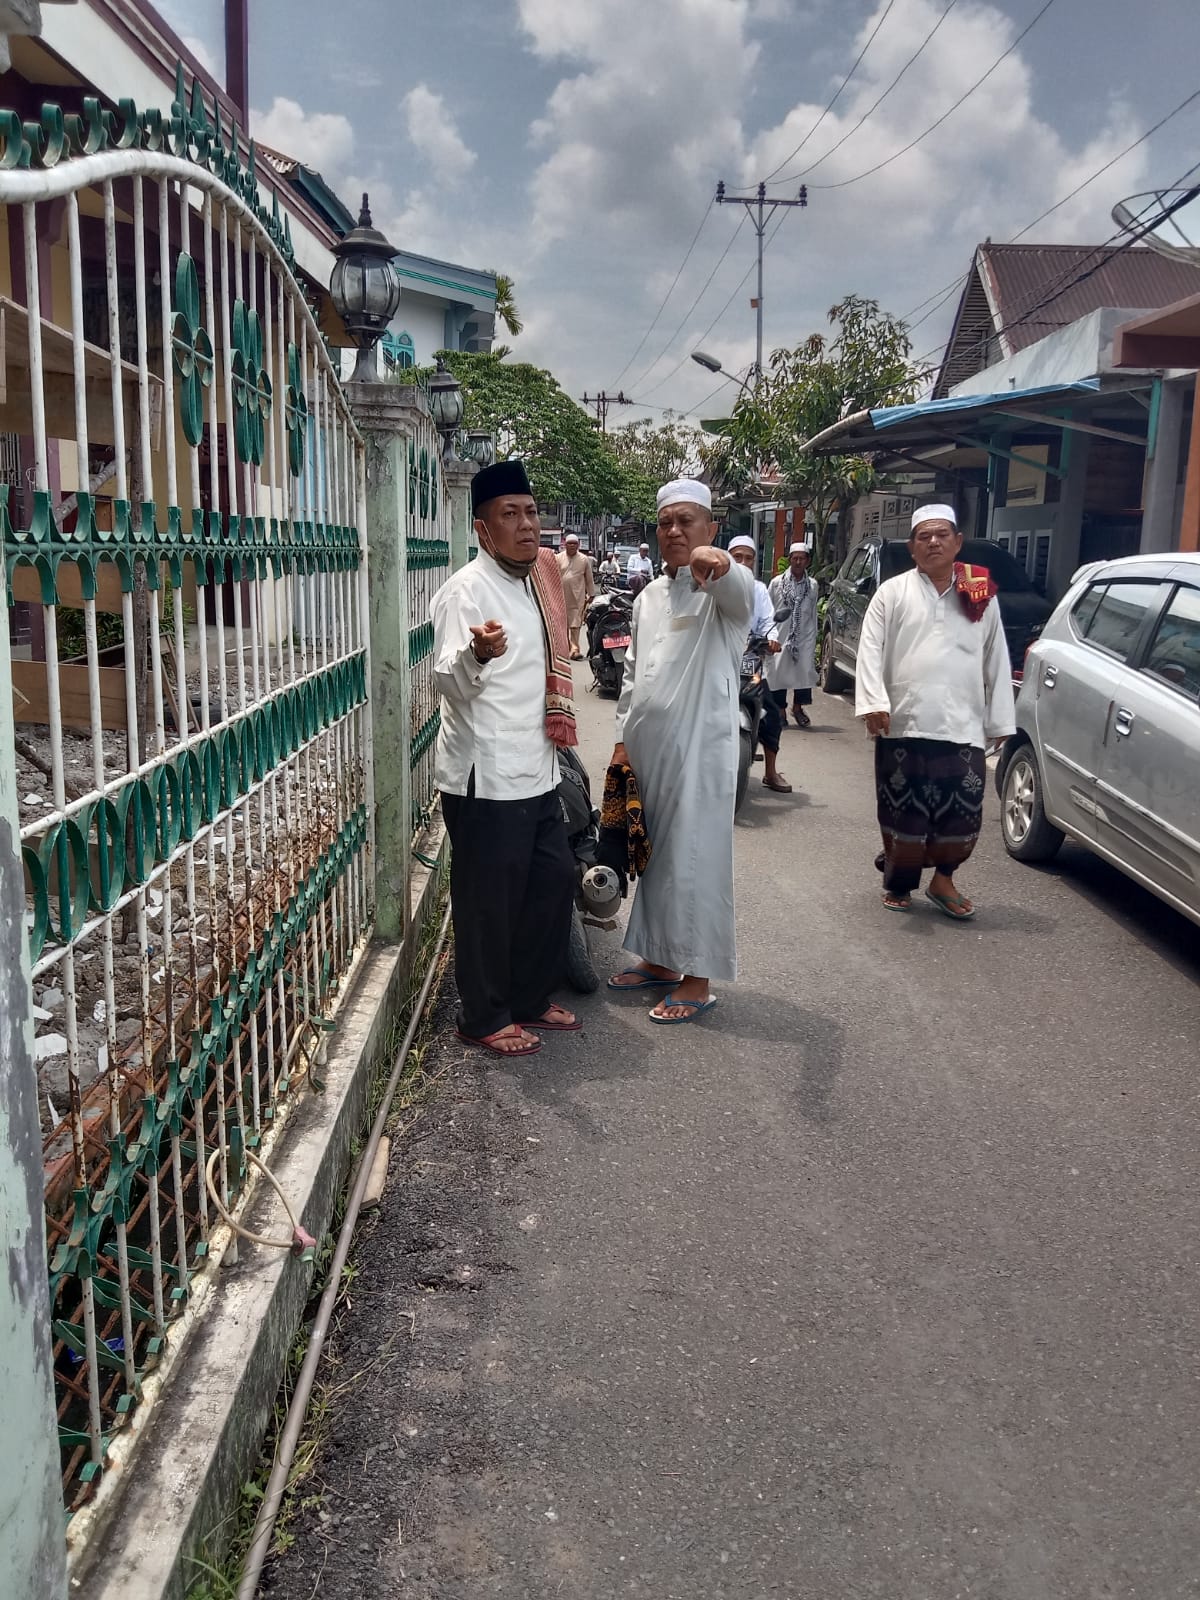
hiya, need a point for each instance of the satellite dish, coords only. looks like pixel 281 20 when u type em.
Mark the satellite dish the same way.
pixel 1143 215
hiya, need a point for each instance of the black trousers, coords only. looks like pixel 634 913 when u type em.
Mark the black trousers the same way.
pixel 800 697
pixel 512 883
pixel 771 726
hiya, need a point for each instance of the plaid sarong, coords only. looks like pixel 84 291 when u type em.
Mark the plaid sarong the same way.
pixel 929 796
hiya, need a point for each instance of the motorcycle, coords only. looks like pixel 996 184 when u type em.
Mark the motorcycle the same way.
pixel 609 629
pixel 752 700
pixel 598 888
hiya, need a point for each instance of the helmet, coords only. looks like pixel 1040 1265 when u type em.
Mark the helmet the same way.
pixel 601 891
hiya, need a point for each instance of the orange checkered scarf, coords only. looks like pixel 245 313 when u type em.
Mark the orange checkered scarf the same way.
pixel 546 582
pixel 976 586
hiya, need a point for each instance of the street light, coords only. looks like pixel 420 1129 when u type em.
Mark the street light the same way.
pixel 446 407
pixel 365 289
pixel 711 364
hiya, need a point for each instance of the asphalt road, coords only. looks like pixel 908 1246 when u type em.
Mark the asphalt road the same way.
pixel 881 1280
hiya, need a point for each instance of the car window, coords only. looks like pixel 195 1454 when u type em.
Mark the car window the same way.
pixel 1116 622
pixel 1084 608
pixel 894 558
pixel 1174 655
pixel 1009 574
pixel 853 564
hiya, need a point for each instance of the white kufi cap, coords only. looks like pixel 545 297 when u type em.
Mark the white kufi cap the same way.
pixel 934 514
pixel 793 548
pixel 742 542
pixel 685 489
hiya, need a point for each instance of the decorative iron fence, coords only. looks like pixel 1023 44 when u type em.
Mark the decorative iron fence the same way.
pixel 428 562
pixel 196 736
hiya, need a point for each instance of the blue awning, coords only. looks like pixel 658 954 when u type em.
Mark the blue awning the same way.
pixel 962 406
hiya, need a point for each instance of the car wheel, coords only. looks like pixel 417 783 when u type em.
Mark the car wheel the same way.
pixel 833 679
pixel 1029 835
pixel 581 971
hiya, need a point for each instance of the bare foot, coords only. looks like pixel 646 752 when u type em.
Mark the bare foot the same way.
pixel 510 1041
pixel 555 1019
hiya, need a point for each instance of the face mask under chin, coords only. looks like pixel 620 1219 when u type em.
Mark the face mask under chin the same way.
pixel 515 569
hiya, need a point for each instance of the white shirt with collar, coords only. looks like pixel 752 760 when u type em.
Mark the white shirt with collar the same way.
pixel 938 674
pixel 763 619
pixel 493 712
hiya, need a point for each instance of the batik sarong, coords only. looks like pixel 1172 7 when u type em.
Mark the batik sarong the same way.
pixel 930 806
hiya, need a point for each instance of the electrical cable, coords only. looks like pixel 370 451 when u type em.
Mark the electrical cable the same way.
pixel 871 110
pixel 654 320
pixel 940 294
pixel 845 183
pixel 637 382
pixel 837 96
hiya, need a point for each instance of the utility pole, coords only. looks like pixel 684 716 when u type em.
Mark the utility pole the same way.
pixel 760 210
pixel 602 401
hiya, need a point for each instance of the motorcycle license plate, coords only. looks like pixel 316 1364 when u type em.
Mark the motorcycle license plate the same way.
pixel 749 666
pixel 616 641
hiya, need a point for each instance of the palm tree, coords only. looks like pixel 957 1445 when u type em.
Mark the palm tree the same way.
pixel 506 305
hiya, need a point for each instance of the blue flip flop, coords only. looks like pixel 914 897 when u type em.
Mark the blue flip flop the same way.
pixel 647 981
pixel 696 1008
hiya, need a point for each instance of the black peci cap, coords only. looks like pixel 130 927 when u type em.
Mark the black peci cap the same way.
pixel 503 477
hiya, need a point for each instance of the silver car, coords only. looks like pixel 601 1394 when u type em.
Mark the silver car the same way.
pixel 1107 748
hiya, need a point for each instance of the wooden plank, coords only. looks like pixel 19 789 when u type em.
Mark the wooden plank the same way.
pixel 26 585
pixel 31 699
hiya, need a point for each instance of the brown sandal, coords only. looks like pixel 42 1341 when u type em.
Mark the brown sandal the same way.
pixel 530 1047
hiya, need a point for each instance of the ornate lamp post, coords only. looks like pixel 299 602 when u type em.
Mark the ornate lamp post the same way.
pixel 365 289
pixel 446 406
pixel 479 447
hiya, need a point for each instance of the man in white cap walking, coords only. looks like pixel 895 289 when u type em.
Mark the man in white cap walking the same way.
pixel 794 667
pixel 677 728
pixel 762 626
pixel 934 687
pixel 579 585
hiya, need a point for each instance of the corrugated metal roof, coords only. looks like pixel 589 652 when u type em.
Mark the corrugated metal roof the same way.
pixel 1074 279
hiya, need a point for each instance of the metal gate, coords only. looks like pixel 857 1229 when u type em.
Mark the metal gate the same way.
pixel 193 734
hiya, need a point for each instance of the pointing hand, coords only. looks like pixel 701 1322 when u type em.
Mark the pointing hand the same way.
pixel 489 641
pixel 708 562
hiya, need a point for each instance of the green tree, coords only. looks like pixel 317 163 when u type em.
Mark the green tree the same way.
pixel 506 304
pixel 652 454
pixel 864 363
pixel 530 416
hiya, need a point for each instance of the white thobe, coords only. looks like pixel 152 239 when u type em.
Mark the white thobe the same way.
pixel 762 618
pixel 493 712
pixel 678 719
pixel 938 674
pixel 641 564
pixel 799 671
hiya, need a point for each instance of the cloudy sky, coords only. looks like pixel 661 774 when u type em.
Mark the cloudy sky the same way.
pixel 576 144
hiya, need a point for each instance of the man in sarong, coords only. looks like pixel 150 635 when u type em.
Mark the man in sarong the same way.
pixel 677 728
pixel 500 647
pixel 934 688
pixel 794 668
pixel 579 585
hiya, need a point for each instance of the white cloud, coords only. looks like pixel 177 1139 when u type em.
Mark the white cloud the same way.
pixel 627 158
pixel 431 128
pixel 323 140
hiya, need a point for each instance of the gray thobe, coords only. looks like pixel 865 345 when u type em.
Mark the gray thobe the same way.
pixel 678 719
pixel 794 669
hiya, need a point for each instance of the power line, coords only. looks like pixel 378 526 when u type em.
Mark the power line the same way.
pixel 666 297
pixel 692 307
pixel 836 97
pixel 601 403
pixel 844 183
pixel 872 109
pixel 941 295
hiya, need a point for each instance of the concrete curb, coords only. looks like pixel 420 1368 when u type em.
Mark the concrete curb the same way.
pixel 204 1434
